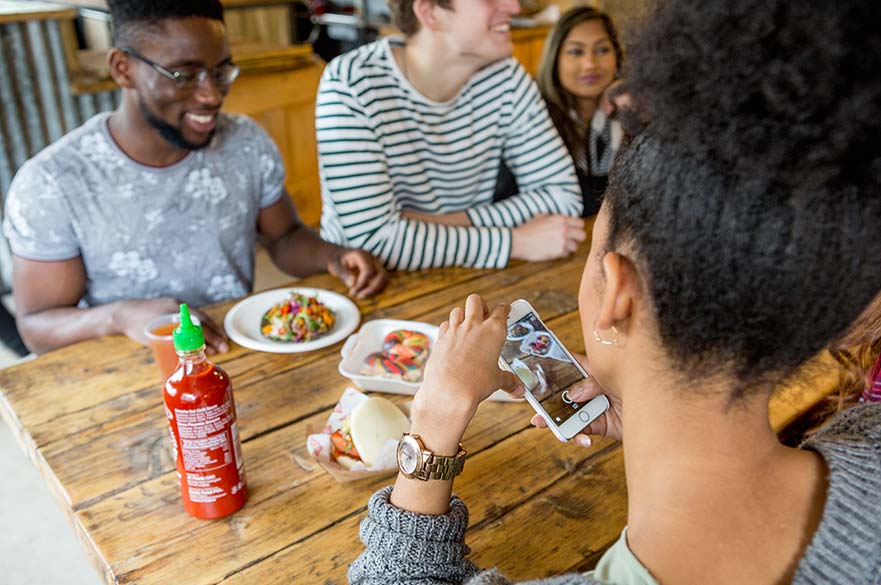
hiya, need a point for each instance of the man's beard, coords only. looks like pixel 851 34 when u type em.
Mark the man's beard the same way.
pixel 169 132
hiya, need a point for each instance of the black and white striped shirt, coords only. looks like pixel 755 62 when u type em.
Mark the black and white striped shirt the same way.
pixel 384 148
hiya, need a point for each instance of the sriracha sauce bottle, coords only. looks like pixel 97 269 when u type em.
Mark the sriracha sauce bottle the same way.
pixel 202 419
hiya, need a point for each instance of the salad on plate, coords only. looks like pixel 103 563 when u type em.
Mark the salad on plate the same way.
pixel 296 319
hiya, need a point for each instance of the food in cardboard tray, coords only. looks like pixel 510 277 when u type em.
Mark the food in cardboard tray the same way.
pixel 365 432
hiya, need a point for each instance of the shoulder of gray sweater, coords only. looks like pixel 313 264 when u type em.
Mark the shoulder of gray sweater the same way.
pixel 846 548
pixel 856 431
pixel 851 446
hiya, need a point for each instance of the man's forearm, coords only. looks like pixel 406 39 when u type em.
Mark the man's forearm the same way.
pixel 302 252
pixel 55 328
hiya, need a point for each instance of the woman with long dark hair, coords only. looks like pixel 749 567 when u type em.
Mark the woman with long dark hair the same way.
pixel 581 62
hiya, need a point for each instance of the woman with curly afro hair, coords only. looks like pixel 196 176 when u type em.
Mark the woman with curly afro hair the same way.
pixel 738 237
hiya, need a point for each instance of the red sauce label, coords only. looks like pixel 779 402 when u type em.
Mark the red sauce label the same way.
pixel 202 420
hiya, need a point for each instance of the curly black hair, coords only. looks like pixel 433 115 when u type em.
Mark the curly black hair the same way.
pixel 131 17
pixel 751 201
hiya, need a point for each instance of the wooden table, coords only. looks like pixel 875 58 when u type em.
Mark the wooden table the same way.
pixel 90 417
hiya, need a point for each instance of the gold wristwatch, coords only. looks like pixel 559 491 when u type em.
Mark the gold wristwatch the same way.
pixel 415 462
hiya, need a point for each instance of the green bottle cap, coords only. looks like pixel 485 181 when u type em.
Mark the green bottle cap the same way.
pixel 187 336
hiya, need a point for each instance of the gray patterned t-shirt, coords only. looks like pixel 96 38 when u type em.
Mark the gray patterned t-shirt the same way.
pixel 185 231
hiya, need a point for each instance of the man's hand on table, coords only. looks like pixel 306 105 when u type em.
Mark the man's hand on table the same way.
pixel 361 272
pixel 131 316
pixel 547 237
pixel 544 237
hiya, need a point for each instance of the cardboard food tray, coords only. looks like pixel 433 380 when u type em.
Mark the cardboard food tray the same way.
pixel 318 444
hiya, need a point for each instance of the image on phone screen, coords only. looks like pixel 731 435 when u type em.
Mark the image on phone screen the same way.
pixel 543 366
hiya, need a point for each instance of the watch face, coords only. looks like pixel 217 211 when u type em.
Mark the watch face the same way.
pixel 408 455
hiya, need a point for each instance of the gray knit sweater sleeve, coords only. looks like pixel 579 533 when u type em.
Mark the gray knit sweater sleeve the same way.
pixel 404 548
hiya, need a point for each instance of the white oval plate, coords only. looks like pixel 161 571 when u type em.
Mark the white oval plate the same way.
pixel 242 322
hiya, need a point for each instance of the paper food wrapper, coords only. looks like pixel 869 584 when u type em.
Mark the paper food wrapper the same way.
pixel 318 445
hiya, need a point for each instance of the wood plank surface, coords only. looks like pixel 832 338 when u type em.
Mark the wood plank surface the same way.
pixel 271 390
pixel 90 416
pixel 494 422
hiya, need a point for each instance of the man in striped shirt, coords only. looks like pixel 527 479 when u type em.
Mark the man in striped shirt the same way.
pixel 411 133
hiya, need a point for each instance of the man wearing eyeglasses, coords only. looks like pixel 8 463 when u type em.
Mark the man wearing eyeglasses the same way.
pixel 161 200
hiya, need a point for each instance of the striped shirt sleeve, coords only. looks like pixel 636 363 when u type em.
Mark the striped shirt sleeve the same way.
pixel 537 156
pixel 360 206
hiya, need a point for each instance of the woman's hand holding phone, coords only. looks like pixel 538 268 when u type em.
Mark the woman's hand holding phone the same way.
pixel 607 424
pixel 463 370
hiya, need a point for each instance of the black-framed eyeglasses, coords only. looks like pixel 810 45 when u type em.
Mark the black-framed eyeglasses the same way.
pixel 192 77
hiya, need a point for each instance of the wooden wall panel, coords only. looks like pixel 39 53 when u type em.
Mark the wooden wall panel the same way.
pixel 269 25
pixel 528 47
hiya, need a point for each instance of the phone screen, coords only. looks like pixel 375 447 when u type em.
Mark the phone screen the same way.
pixel 543 366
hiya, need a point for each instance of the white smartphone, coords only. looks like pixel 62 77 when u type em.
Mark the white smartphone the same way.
pixel 548 371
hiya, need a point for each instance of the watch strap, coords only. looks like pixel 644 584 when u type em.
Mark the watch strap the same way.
pixel 440 467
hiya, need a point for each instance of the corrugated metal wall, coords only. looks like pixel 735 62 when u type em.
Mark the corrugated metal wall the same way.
pixel 36 104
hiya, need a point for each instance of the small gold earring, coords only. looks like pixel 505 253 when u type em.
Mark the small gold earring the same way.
pixel 613 341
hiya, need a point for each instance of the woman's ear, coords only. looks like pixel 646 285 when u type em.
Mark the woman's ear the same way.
pixel 426 13
pixel 619 292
